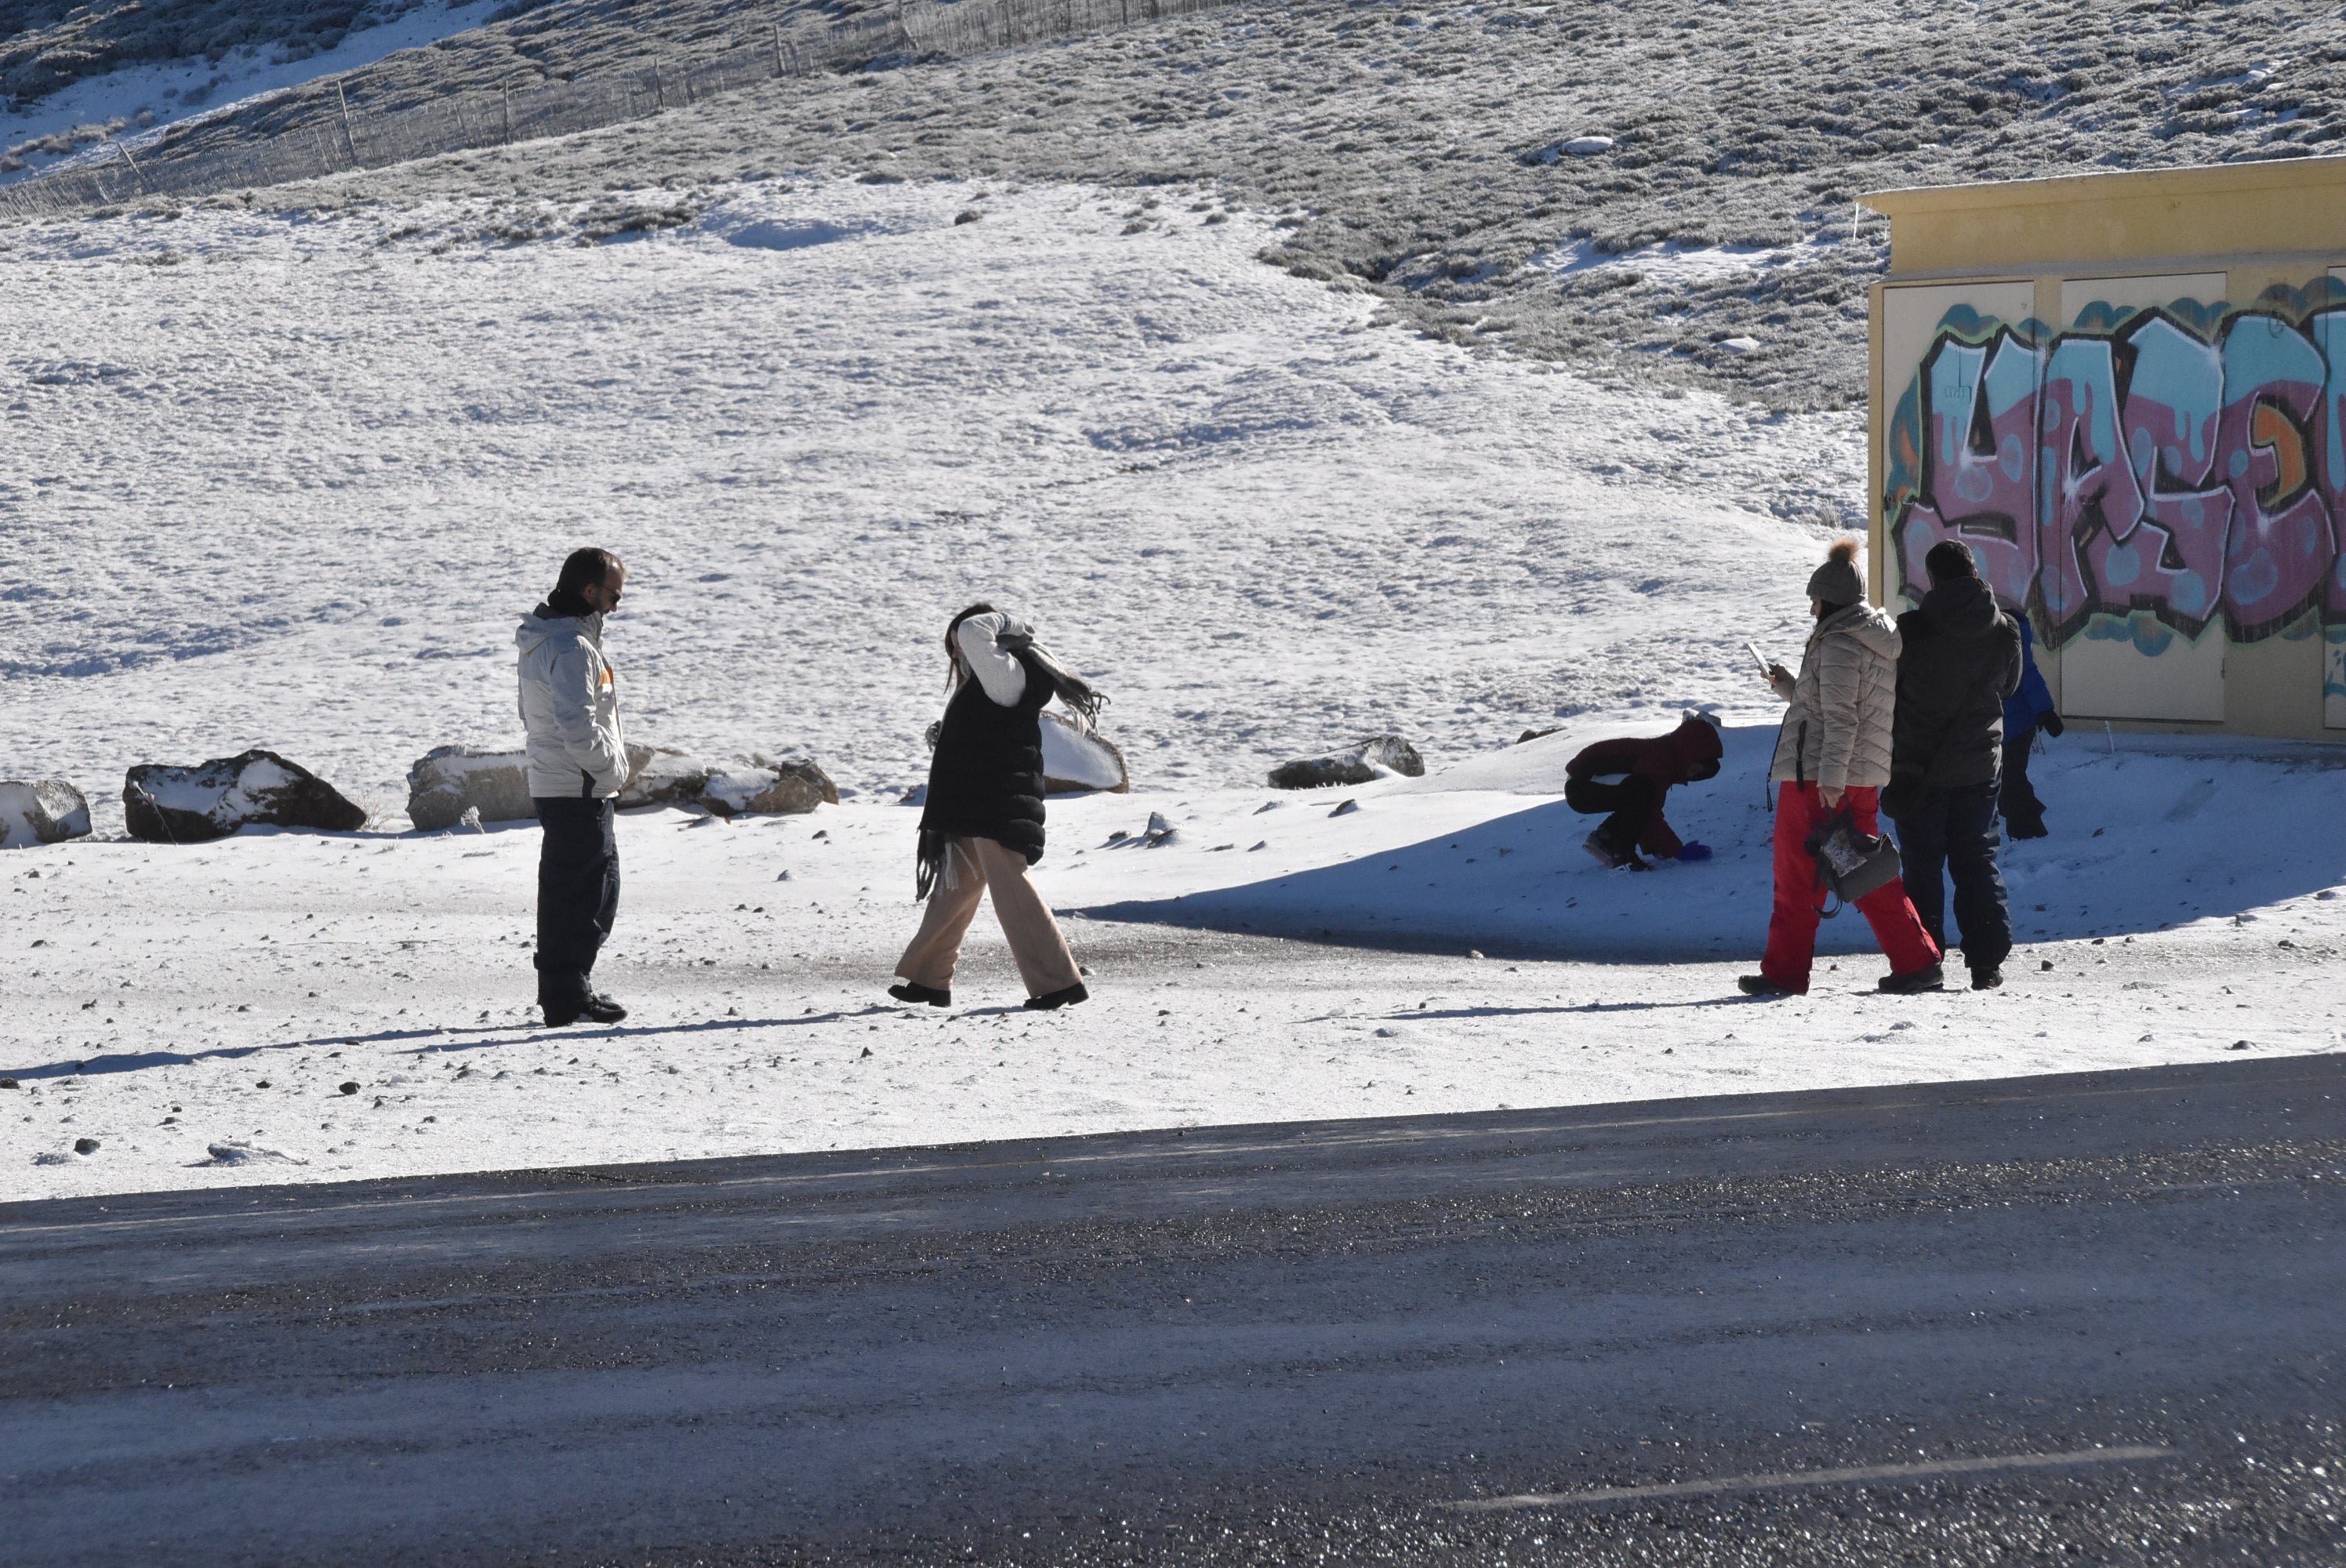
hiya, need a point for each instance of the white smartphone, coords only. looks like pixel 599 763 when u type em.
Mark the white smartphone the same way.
pixel 1761 659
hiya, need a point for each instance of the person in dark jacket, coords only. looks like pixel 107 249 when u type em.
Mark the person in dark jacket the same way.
pixel 1961 658
pixel 1628 777
pixel 2025 712
pixel 982 820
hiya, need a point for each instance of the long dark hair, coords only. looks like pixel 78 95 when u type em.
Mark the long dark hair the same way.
pixel 953 628
pixel 1082 698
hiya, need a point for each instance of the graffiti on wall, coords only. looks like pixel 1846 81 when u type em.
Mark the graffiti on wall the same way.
pixel 2181 465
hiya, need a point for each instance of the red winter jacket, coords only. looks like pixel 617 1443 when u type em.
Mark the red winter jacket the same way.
pixel 1689 753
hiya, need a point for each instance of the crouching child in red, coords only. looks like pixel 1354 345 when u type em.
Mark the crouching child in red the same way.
pixel 1626 780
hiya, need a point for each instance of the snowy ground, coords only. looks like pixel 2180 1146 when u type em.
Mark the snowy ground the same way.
pixel 290 483
pixel 199 1011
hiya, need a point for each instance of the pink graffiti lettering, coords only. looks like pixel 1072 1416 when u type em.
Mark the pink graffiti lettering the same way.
pixel 2144 470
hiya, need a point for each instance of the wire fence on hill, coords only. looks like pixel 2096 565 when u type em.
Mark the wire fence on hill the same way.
pixel 330 125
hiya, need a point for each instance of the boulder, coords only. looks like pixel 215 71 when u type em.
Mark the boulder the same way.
pixel 448 780
pixel 767 788
pixel 1378 756
pixel 661 776
pixel 1074 762
pixel 170 805
pixel 44 811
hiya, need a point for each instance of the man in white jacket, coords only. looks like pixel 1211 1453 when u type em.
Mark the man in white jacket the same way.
pixel 577 764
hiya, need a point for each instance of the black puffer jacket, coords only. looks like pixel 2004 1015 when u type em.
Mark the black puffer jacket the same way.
pixel 985 780
pixel 1960 659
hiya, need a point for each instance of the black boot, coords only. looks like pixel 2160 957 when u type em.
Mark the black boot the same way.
pixel 913 992
pixel 1930 977
pixel 1615 850
pixel 1761 985
pixel 594 1008
pixel 1054 1000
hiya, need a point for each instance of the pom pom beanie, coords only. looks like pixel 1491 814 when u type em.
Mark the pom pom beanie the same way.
pixel 1836 583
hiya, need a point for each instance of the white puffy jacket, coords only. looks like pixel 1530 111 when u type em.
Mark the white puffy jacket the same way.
pixel 570 706
pixel 1837 735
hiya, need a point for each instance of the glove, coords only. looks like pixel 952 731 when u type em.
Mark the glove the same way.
pixel 2050 723
pixel 1691 851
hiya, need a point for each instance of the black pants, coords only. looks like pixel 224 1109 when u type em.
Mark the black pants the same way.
pixel 1952 834
pixel 2023 813
pixel 1630 801
pixel 577 893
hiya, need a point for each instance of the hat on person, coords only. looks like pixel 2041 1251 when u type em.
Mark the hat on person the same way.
pixel 1836 583
pixel 1950 559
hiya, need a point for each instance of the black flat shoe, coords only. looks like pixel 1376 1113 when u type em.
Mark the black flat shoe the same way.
pixel 1053 1001
pixel 908 991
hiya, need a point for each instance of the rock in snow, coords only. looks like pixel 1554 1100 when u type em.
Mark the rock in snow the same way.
pixel 1378 756
pixel 767 787
pixel 669 778
pixel 661 776
pixel 235 1153
pixel 163 804
pixel 1074 762
pixel 448 780
pixel 44 811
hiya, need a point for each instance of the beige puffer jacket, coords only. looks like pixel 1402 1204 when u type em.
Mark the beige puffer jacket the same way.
pixel 1837 735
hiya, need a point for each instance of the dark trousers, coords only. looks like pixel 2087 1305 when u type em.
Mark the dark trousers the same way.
pixel 1630 801
pixel 1952 834
pixel 2023 813
pixel 577 893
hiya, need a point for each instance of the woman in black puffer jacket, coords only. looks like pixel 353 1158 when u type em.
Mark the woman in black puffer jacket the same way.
pixel 982 823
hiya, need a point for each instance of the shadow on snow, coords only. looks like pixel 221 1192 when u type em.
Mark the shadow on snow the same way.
pixel 2141 842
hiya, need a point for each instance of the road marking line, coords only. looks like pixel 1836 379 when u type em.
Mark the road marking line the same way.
pixel 1807 1478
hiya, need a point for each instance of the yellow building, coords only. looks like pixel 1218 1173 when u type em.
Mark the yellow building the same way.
pixel 2127 393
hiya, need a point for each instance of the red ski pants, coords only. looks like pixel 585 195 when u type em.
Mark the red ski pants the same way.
pixel 1801 895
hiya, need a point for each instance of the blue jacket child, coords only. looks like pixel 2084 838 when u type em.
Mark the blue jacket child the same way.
pixel 2027 710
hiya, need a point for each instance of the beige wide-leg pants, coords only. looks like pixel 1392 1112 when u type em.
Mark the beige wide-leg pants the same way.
pixel 972 866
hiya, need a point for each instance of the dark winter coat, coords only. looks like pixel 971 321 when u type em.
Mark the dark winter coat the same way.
pixel 1959 659
pixel 985 780
pixel 1689 753
pixel 2025 708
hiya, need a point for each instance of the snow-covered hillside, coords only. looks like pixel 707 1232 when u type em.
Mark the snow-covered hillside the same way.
pixel 1499 175
pixel 291 483
pixel 128 72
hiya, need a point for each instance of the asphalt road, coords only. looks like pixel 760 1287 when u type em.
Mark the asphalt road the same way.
pixel 2090 1319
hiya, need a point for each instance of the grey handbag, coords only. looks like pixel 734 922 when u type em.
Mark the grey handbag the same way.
pixel 1849 863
